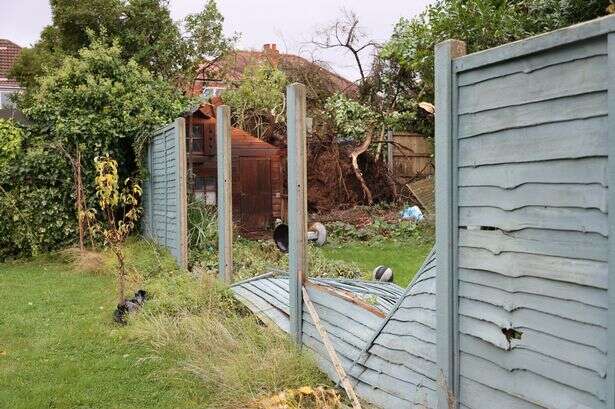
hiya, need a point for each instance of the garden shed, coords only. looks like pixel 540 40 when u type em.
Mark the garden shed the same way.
pixel 256 167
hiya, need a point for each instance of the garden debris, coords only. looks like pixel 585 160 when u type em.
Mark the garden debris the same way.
pixel 412 213
pixel 304 397
pixel 424 193
pixel 129 306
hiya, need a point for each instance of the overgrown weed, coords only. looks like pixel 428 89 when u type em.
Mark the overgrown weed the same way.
pixel 213 338
pixel 236 357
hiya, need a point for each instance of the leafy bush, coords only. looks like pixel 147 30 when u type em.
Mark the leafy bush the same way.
pixel 11 138
pixel 35 196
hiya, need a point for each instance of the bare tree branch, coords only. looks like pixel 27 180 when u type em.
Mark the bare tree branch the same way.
pixel 345 33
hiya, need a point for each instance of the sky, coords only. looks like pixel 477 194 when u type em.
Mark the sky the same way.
pixel 290 24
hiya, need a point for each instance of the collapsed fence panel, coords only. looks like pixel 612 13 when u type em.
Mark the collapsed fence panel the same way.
pixel 164 191
pixel 526 296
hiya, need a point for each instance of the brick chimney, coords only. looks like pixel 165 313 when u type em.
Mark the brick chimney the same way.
pixel 270 51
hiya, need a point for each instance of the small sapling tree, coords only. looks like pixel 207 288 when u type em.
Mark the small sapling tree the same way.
pixel 120 211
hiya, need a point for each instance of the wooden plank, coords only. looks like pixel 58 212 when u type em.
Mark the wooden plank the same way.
pixel 509 175
pixel 446 166
pixel 338 334
pixel 534 285
pixel 581 50
pixel 552 141
pixel 348 309
pixel 552 218
pixel 582 272
pixel 421 364
pixel 266 295
pixel 341 347
pixel 297 203
pixel 527 385
pixel 261 308
pixel 567 309
pixel 418 330
pixel 526 360
pixel 422 316
pixel 225 189
pixel 479 396
pixel 426 301
pixel 537 113
pixel 536 194
pixel 348 297
pixel 574 331
pixel 390 157
pixel 570 244
pixel 381 397
pixel 610 386
pixel 542 42
pixel 554 81
pixel 399 371
pixel 339 369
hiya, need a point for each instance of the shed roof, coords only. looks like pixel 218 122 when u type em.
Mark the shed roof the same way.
pixel 239 136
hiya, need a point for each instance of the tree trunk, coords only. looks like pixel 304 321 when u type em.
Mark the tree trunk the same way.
pixel 355 165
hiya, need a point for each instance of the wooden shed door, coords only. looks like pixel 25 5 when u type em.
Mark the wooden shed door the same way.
pixel 255 176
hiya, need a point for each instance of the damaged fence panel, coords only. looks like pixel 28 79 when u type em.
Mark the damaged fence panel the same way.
pixel 526 160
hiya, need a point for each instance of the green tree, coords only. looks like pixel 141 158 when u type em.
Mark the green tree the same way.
pixel 100 103
pixel 258 99
pixel 404 67
pixel 205 36
pixel 143 28
pixel 95 104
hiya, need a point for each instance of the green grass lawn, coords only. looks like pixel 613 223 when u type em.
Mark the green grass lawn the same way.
pixel 60 349
pixel 404 257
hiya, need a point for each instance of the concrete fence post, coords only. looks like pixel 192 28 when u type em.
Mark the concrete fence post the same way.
pixel 297 204
pixel 225 197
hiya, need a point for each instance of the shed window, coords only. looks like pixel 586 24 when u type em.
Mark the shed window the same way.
pixel 195 141
pixel 205 189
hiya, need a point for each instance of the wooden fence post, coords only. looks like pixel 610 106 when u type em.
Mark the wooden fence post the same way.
pixel 297 204
pixel 390 152
pixel 225 197
pixel 446 218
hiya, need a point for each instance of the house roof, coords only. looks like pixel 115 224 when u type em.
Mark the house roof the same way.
pixel 232 67
pixel 9 51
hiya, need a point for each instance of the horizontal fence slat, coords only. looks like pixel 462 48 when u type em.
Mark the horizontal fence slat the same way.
pixel 555 81
pixel 509 175
pixel 552 218
pixel 556 110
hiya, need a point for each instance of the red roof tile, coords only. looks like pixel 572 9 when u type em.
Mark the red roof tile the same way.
pixel 9 51
pixel 235 63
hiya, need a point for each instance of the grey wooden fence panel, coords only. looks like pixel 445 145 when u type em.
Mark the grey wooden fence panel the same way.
pixel 532 123
pixel 611 172
pixel 165 206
